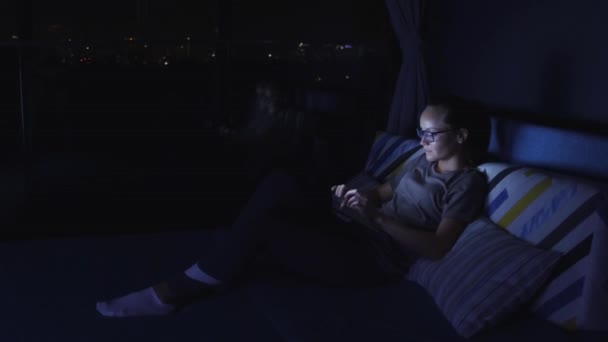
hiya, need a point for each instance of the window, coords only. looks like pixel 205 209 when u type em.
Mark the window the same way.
pixel 107 71
pixel 8 21
pixel 339 48
pixel 154 67
pixel 9 110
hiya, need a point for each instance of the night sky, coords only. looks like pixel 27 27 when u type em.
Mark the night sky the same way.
pixel 335 21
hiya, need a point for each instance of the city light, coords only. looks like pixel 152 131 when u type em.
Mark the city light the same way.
pixel 15 36
pixel 98 53
pixel 347 77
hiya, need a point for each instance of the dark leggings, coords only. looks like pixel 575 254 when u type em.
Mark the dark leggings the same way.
pixel 292 230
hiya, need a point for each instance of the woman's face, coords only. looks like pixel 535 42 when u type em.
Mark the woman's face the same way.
pixel 444 145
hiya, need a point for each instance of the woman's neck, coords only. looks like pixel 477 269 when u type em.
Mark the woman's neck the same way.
pixel 455 163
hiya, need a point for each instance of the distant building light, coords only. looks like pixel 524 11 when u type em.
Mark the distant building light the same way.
pixel 145 46
pixel 319 79
pixel 347 77
pixel 15 36
pixel 301 44
pixel 166 63
pixel 187 38
pixel 213 55
pixel 69 40
pixel 181 46
pixel 87 48
pixel 348 46
pixel 269 55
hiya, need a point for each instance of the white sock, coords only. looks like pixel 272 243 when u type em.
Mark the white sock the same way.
pixel 147 303
pixel 140 303
pixel 195 273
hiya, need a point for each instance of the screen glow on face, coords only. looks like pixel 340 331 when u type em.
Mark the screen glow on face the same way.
pixel 429 136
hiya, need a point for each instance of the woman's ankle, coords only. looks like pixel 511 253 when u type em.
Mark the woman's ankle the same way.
pixel 163 292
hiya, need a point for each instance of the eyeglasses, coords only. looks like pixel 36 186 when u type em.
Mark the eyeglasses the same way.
pixel 429 136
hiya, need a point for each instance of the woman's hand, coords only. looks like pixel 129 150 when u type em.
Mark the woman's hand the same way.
pixel 356 200
pixel 339 190
pixel 360 202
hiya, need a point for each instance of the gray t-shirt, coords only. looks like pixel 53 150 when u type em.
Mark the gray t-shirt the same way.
pixel 422 197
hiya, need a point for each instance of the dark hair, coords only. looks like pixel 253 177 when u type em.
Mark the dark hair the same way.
pixel 461 114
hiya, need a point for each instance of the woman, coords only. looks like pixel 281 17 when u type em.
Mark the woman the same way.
pixel 419 213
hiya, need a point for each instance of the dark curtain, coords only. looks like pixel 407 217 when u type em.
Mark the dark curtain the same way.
pixel 411 91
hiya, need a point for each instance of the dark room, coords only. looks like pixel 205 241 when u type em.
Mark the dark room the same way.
pixel 231 170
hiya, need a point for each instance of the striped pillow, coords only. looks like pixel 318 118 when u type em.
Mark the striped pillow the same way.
pixel 564 215
pixel 487 275
pixel 389 153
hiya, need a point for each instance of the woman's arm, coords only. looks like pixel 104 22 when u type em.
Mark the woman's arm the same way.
pixel 380 194
pixel 375 196
pixel 432 245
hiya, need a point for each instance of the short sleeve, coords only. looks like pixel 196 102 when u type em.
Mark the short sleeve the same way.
pixel 466 198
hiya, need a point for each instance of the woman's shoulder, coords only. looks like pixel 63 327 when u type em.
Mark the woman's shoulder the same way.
pixel 473 177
